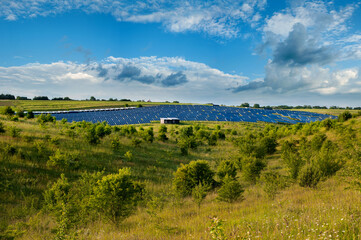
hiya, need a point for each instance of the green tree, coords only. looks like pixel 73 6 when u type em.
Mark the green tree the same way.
pixel 199 193
pixel 230 191
pixel 226 167
pixel 117 195
pixel 8 111
pixel 344 116
pixel 190 175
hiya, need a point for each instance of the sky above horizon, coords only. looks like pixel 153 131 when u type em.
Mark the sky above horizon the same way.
pixel 291 52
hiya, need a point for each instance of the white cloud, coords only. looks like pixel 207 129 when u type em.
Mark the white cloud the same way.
pixel 167 78
pixel 217 18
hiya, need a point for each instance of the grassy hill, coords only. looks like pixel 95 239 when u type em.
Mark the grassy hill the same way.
pixel 305 186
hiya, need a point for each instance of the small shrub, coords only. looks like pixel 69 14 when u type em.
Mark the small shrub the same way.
pixel 15 119
pixel 63 161
pixel 128 156
pixel 226 167
pixel 30 114
pixel 9 150
pixel 8 111
pixel 136 142
pixel 20 114
pixel 251 168
pixel 2 127
pixel 199 193
pixel 162 137
pixel 272 183
pixel 269 144
pixel 216 229
pixel 91 136
pixel 14 131
pixel 309 176
pixel 344 116
pixel 230 191
pixel 115 144
pixel 190 175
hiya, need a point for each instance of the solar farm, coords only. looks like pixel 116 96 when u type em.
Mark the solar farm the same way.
pixel 131 115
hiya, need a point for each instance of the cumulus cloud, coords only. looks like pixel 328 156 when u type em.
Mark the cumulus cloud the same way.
pixel 299 49
pixel 217 18
pixel 175 79
pixel 164 78
pixel 304 40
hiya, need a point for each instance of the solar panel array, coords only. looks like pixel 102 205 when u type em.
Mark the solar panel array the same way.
pixel 122 116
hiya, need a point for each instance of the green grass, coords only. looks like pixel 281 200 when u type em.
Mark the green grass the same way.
pixel 50 105
pixel 332 210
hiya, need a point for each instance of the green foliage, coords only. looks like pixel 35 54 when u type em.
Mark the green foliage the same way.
pixel 344 116
pixel 20 114
pixel 63 161
pixel 317 141
pixel 129 156
pixel 216 229
pixel 30 114
pixel 2 127
pixel 14 131
pixel 309 176
pixel 162 137
pixel 115 144
pixel 163 129
pixel 269 144
pixel 42 118
pixel 8 111
pixel 291 158
pixel 91 135
pixel 230 191
pixel 273 182
pixel 187 131
pixel 117 195
pixel 199 193
pixel 190 175
pixel 327 161
pixel 212 140
pixel 9 150
pixel 136 142
pixel 226 167
pixel 328 123
pixel 251 168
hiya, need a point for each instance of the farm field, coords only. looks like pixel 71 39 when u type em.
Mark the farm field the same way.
pixel 53 105
pixel 298 181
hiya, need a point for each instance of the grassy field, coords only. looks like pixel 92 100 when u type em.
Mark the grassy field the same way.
pixel 46 105
pixel 330 210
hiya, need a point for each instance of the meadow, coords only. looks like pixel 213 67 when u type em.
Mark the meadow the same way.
pixel 298 181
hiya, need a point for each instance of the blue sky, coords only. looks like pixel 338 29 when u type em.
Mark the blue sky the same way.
pixel 226 52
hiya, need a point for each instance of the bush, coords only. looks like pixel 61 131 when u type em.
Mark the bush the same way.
pixel 116 196
pixel 20 114
pixel 162 137
pixel 344 116
pixel 42 118
pixel 327 161
pixel 2 128
pixel 190 175
pixel 317 141
pixel 91 136
pixel 128 156
pixel 269 144
pixel 8 111
pixel 199 193
pixel 309 176
pixel 30 114
pixel 226 167
pixel 230 191
pixel 272 183
pixel 14 131
pixel 63 161
pixel 251 168
pixel 291 158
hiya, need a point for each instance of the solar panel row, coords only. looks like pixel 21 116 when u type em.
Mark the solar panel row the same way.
pixel 189 113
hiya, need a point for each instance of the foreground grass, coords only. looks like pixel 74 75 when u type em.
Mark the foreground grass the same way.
pixel 332 210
